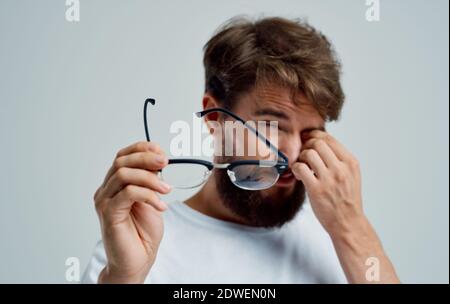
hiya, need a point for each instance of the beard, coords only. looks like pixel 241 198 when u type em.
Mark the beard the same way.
pixel 272 207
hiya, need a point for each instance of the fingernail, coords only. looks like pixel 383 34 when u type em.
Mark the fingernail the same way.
pixel 160 159
pixel 165 186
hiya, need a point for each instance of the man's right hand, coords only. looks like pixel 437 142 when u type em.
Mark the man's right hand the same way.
pixel 129 210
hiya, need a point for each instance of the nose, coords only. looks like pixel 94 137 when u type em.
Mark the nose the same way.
pixel 291 146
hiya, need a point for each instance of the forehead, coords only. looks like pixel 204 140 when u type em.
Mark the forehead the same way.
pixel 274 99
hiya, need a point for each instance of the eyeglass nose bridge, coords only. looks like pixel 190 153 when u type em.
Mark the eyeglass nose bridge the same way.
pixel 221 166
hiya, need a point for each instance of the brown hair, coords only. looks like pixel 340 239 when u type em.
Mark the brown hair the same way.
pixel 244 54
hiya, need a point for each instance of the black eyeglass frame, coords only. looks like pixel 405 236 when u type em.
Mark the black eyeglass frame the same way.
pixel 280 166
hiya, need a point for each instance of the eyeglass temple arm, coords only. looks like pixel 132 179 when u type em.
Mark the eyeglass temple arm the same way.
pixel 147 101
pixel 205 112
pixel 266 141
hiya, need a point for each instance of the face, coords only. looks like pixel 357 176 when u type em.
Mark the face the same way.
pixel 280 203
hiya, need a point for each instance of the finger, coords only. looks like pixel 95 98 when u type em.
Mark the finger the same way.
pixel 325 152
pixel 313 160
pixel 339 150
pixel 140 160
pixel 129 176
pixel 131 194
pixel 302 172
pixel 141 146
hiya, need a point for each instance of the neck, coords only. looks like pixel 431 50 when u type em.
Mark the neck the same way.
pixel 209 202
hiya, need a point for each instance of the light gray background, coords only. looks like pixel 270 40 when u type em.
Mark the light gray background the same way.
pixel 71 95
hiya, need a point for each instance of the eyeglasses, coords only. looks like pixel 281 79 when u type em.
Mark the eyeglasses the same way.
pixel 245 174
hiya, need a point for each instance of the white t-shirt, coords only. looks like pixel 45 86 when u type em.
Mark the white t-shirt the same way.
pixel 197 248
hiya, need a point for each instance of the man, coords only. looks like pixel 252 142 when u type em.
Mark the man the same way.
pixel 272 69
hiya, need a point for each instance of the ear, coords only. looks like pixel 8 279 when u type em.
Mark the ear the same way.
pixel 210 102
